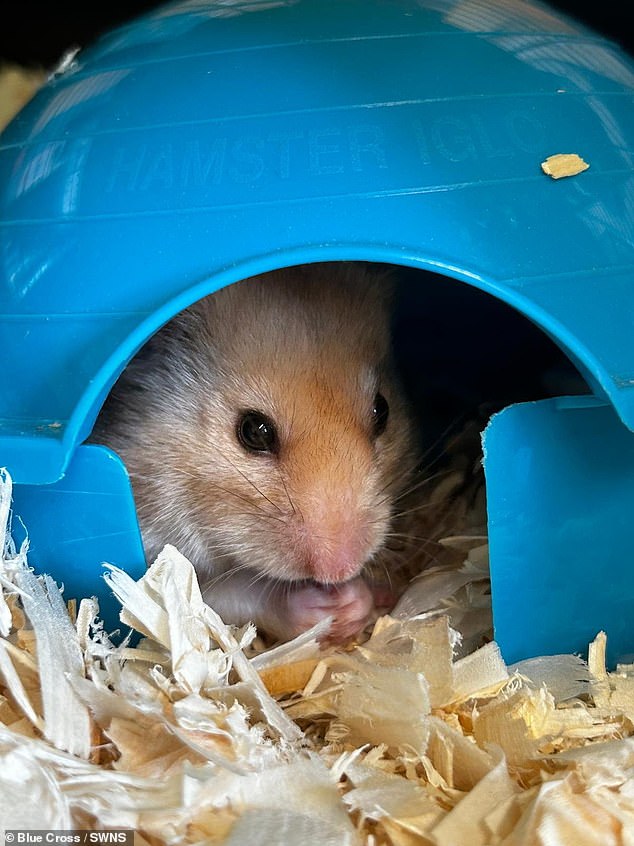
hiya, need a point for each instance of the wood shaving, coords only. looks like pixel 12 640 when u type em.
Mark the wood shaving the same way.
pixel 17 86
pixel 564 164
pixel 186 736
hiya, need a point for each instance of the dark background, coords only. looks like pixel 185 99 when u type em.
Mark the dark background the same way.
pixel 38 34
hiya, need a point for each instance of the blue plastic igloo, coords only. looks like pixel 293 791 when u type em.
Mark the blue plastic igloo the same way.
pixel 210 141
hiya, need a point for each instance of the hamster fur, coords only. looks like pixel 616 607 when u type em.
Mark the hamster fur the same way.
pixel 296 363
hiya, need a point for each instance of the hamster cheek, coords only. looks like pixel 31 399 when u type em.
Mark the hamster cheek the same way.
pixel 349 604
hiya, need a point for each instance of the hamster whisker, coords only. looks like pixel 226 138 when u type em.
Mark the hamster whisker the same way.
pixel 452 426
pixel 262 511
pixel 413 539
pixel 288 496
pixel 224 574
pixel 416 509
pixel 250 481
pixel 253 505
pixel 422 482
pixel 260 577
pixel 387 498
pixel 234 493
pixel 410 476
pixel 386 570
pixel 411 547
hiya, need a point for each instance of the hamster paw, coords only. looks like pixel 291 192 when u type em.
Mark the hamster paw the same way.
pixel 349 604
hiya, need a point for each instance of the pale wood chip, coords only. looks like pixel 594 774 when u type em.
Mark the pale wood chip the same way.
pixel 564 164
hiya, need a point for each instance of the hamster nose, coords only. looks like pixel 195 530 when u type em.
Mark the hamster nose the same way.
pixel 333 540
pixel 335 562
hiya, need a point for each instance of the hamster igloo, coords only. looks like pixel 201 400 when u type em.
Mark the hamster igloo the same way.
pixel 208 142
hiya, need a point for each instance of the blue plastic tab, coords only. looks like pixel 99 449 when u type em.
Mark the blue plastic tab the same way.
pixel 76 524
pixel 560 493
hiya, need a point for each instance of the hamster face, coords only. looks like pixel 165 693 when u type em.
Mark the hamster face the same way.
pixel 292 473
pixel 263 428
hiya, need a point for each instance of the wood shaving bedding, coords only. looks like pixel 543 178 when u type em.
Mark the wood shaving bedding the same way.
pixel 188 737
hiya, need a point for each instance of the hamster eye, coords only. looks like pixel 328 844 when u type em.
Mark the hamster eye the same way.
pixel 256 432
pixel 380 413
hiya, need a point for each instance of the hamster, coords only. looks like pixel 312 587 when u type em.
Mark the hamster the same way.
pixel 266 437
